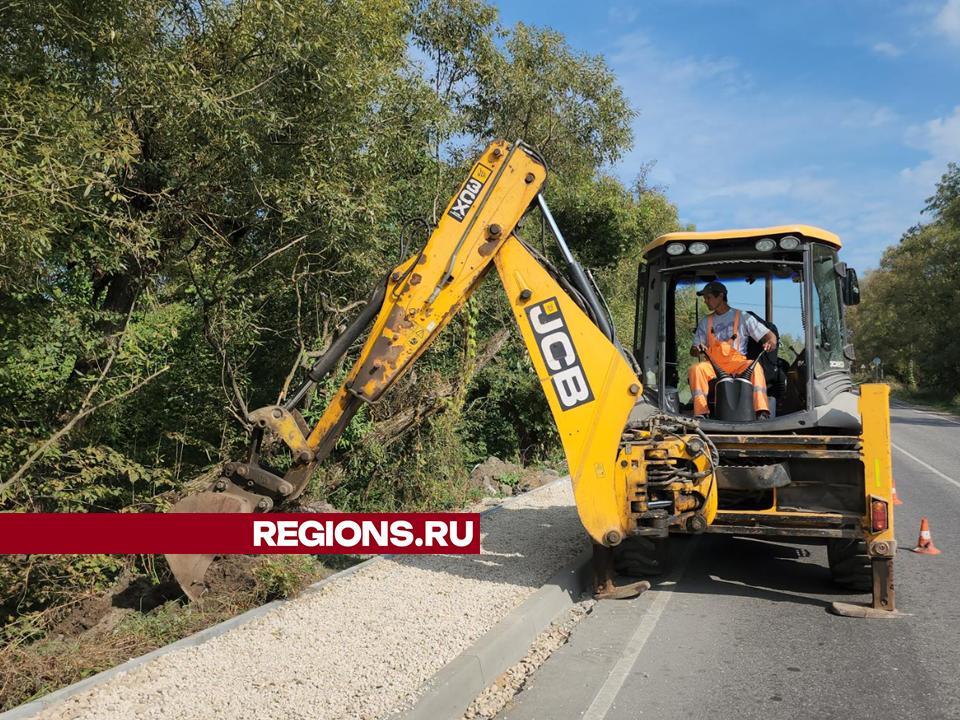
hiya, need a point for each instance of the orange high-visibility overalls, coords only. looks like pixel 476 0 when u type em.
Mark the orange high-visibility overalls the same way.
pixel 730 360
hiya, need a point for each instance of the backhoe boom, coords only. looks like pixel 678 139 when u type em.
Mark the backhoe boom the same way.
pixel 589 385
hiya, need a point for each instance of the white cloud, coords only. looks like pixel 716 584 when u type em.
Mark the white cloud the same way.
pixel 735 152
pixel 751 189
pixel 684 72
pixel 940 136
pixel 947 21
pixel 888 49
pixel 623 14
pixel 941 139
pixel 862 114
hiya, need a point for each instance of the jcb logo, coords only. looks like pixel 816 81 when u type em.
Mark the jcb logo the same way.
pixel 559 354
pixel 468 194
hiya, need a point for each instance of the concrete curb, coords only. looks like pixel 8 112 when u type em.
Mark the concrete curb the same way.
pixel 30 709
pixel 449 693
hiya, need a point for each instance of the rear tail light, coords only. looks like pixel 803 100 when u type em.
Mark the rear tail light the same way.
pixel 879 515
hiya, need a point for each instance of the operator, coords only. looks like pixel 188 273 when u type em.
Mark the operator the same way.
pixel 722 336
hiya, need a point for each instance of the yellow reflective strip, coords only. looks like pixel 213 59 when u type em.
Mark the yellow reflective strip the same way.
pixel 876 469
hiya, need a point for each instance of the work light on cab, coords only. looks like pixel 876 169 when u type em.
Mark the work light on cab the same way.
pixel 789 243
pixel 675 248
pixel 698 248
pixel 765 245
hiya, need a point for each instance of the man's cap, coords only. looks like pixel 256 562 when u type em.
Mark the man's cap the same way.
pixel 713 287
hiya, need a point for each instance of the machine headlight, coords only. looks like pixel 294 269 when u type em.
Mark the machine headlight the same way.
pixel 765 245
pixel 675 248
pixel 789 243
pixel 698 248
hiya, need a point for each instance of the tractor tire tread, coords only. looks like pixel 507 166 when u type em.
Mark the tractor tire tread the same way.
pixel 641 557
pixel 850 565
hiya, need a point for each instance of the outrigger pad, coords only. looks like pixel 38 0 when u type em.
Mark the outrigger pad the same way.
pixel 623 592
pixel 863 611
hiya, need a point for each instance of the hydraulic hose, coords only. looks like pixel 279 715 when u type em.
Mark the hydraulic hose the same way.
pixel 578 275
pixel 322 367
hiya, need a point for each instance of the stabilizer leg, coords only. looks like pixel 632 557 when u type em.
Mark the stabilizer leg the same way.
pixel 603 574
pixel 884 598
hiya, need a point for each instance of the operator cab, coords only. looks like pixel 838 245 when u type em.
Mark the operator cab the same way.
pixel 790 279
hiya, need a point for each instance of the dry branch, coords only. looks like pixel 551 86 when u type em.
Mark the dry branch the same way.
pixel 395 427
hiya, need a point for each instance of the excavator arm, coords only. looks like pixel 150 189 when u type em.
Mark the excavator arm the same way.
pixel 589 384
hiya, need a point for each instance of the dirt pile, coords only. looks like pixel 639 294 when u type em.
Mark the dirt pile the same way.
pixel 132 594
pixel 496 477
pixel 101 613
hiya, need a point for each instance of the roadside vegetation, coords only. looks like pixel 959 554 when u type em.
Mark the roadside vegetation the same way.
pixel 195 199
pixel 910 305
pixel 923 398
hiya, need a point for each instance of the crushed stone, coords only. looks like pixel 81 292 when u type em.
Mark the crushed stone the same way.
pixel 360 647
pixel 495 697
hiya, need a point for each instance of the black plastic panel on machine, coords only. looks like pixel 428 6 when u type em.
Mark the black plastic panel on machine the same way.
pixel 753 477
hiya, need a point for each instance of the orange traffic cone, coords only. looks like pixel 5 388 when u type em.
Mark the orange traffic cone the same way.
pixel 896 500
pixel 925 543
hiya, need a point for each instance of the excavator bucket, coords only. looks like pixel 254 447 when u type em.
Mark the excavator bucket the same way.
pixel 189 570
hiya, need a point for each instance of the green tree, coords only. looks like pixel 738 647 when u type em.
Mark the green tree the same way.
pixel 211 188
pixel 211 157
pixel 911 301
pixel 944 205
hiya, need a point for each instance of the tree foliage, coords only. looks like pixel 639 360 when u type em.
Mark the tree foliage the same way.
pixel 210 187
pixel 911 302
pixel 195 200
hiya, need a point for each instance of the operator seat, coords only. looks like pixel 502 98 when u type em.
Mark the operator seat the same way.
pixel 773 371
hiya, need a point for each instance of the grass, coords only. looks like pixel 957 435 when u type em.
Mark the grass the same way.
pixel 34 670
pixel 921 397
pixel 927 398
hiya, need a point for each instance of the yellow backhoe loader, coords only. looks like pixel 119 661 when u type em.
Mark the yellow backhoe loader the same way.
pixel 641 465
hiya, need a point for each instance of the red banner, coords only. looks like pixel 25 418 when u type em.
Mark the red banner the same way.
pixel 228 534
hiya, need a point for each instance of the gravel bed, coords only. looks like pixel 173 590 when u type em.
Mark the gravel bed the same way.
pixel 494 698
pixel 360 647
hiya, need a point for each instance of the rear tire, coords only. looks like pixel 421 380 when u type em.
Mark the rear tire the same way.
pixel 641 556
pixel 850 565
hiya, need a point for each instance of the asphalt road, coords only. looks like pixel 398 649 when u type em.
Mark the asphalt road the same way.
pixel 741 628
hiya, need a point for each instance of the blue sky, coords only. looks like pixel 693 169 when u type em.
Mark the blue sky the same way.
pixel 840 114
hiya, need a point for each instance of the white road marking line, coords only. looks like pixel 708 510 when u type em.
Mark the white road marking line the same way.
pixel 940 416
pixel 928 467
pixel 611 687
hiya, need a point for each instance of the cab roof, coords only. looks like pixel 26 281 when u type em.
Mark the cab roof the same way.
pixel 807 231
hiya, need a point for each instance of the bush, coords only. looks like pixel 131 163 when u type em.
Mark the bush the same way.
pixel 283 576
